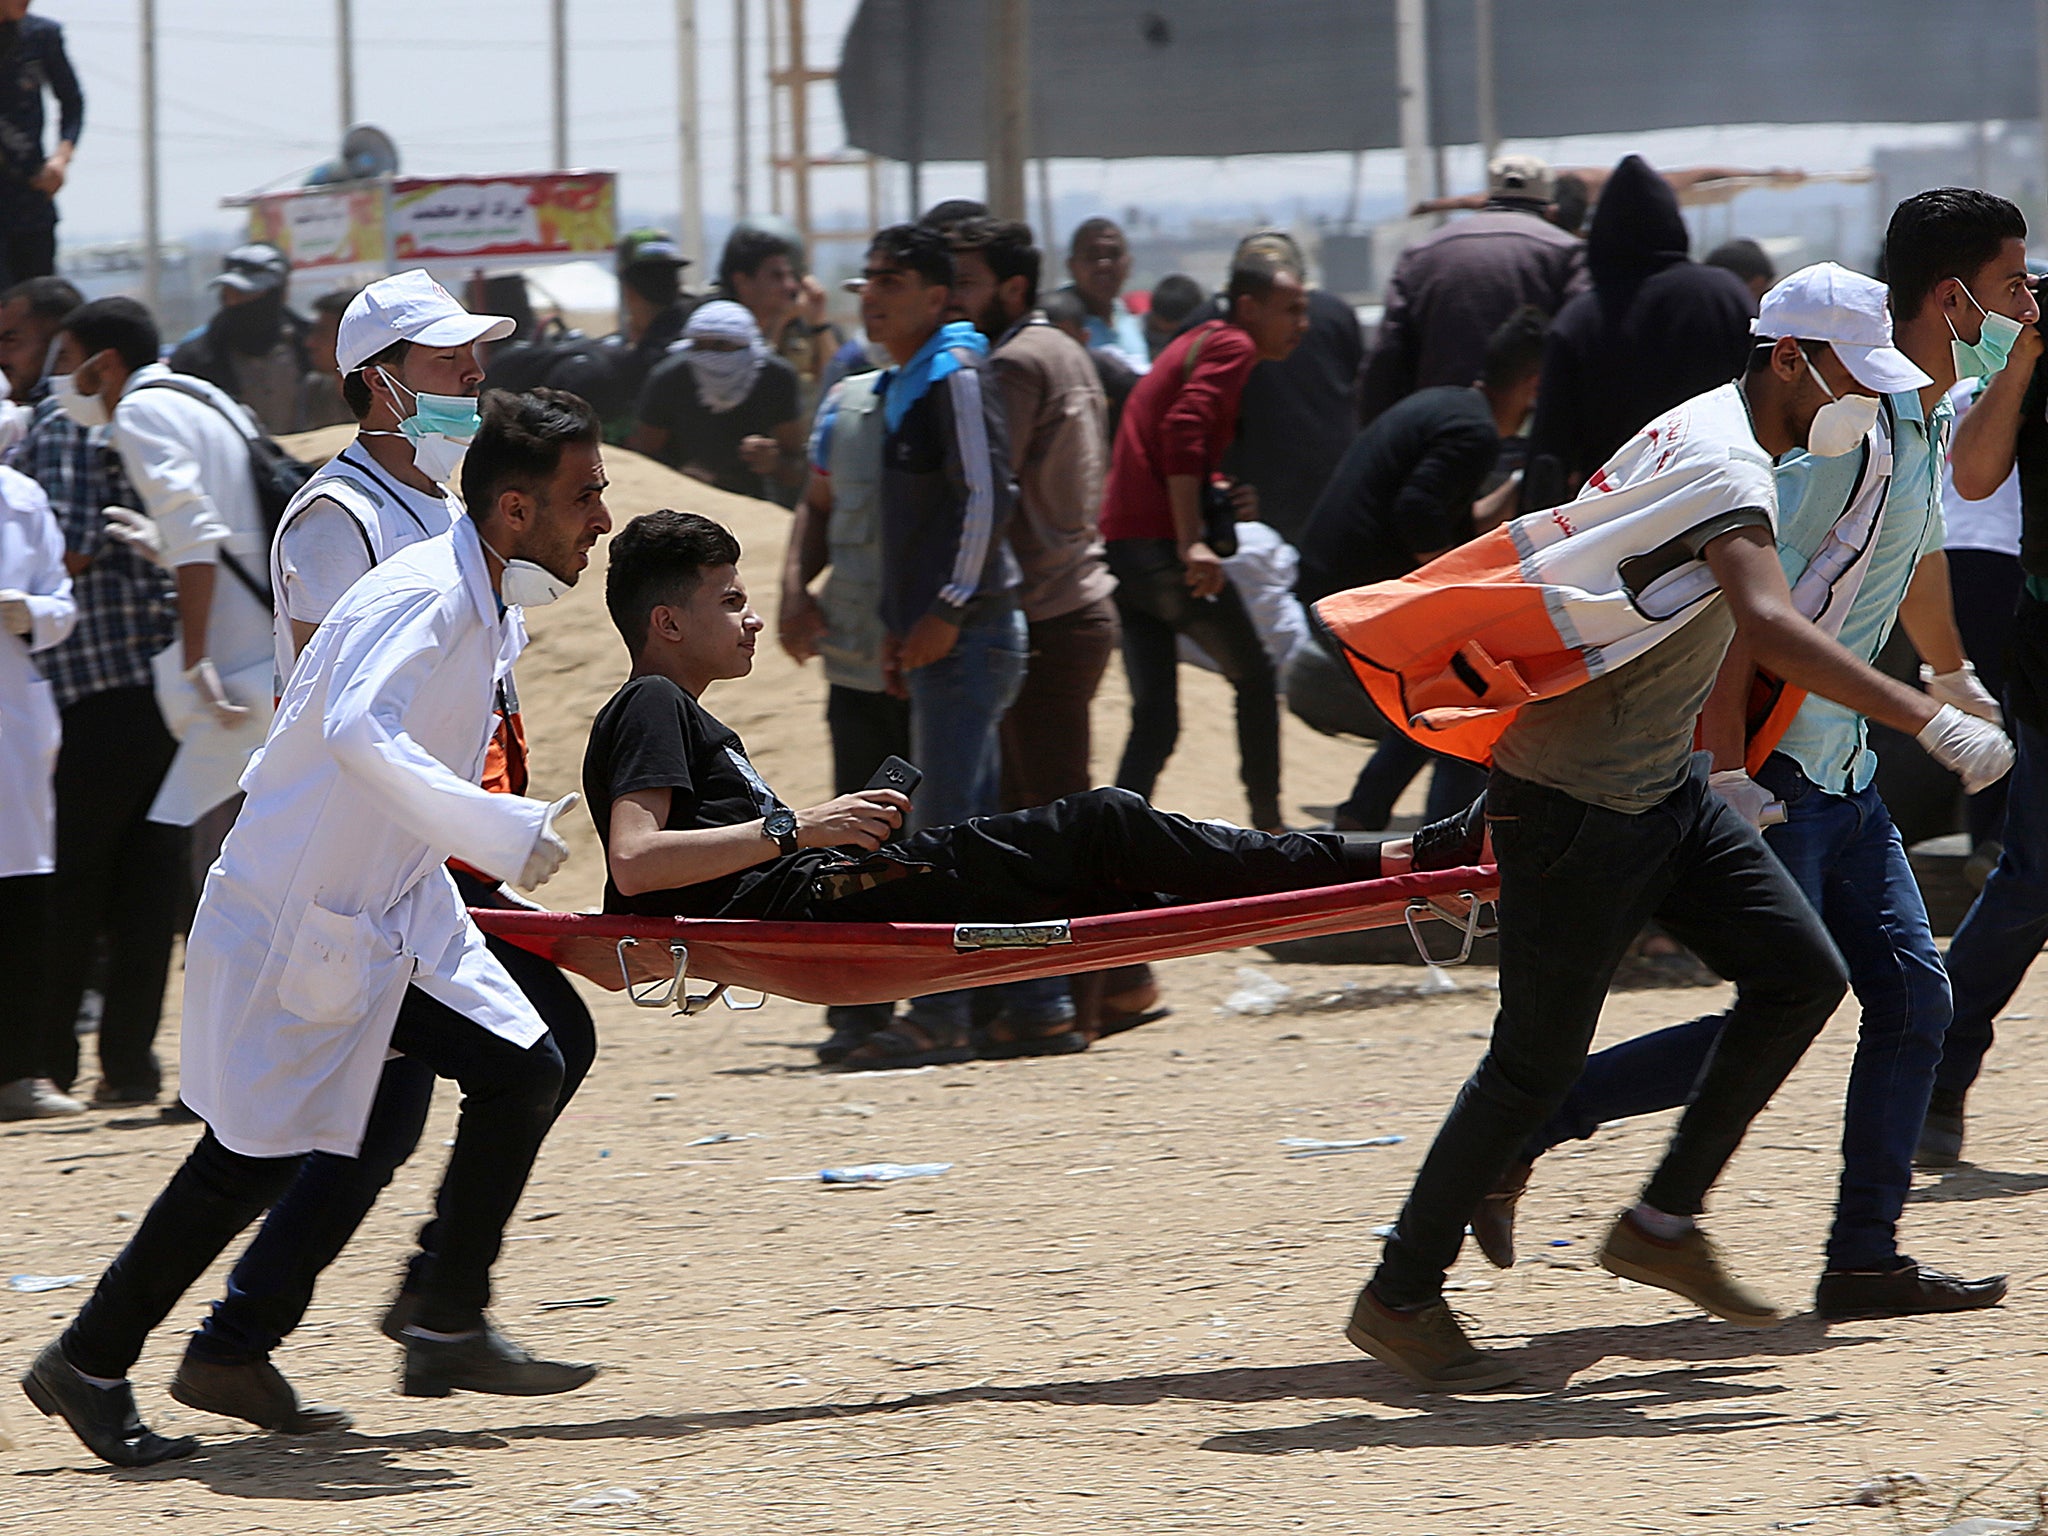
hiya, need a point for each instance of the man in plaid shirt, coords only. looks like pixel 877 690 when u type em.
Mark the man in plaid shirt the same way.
pixel 120 877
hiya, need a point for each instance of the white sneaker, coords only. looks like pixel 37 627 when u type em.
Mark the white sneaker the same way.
pixel 36 1098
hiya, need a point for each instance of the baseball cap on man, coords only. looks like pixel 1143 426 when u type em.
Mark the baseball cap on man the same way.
pixel 1523 177
pixel 253 268
pixel 410 306
pixel 650 247
pixel 1828 302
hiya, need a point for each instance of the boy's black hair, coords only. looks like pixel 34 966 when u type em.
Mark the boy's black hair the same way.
pixel 119 325
pixel 1515 349
pixel 659 559
pixel 519 446
pixel 916 248
pixel 1088 229
pixel 1006 246
pixel 1949 232
pixel 746 248
pixel 944 216
pixel 1176 296
pixel 1745 258
pixel 47 298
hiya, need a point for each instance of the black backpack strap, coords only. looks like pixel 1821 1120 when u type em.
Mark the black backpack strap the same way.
pixel 258 589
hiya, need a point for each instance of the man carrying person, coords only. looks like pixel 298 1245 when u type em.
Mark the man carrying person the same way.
pixel 120 878
pixel 1833 833
pixel 1602 816
pixel 303 971
pixel 1409 489
pixel 1170 582
pixel 955 637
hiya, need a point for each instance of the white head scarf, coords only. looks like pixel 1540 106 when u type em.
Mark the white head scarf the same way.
pixel 724 378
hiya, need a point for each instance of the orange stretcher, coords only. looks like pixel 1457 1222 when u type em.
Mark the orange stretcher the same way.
pixel 653 959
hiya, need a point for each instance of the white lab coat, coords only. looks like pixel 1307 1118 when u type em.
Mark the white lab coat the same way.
pixel 330 894
pixel 188 460
pixel 31 561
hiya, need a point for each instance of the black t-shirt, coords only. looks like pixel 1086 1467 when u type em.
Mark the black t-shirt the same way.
pixel 653 735
pixel 709 439
pixel 1404 489
pixel 1296 417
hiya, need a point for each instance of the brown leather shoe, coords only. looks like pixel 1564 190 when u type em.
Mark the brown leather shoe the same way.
pixel 1688 1266
pixel 254 1391
pixel 1493 1224
pixel 1426 1345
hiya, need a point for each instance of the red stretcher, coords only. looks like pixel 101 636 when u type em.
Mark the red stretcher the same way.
pixel 653 959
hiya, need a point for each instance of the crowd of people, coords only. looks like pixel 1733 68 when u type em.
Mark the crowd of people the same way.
pixel 1606 538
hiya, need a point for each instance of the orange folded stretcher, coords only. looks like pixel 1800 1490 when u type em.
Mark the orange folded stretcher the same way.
pixel 653 958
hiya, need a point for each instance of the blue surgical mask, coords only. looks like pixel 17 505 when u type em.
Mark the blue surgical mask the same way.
pixel 439 429
pixel 1983 357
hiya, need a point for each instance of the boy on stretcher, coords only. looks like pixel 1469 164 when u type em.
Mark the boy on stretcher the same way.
pixel 690 829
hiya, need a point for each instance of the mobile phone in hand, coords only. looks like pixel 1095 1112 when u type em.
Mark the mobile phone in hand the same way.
pixel 898 775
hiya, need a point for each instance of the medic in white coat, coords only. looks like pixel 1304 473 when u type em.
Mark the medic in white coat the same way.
pixel 331 894
pixel 36 612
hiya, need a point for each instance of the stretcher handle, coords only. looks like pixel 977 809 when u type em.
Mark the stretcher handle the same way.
pixel 1472 929
pixel 675 990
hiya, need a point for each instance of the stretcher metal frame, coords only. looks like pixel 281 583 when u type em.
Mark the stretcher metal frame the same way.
pixel 653 959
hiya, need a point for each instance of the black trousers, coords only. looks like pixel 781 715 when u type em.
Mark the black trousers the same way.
pixel 867 730
pixel 1577 884
pixel 1102 851
pixel 120 877
pixel 508 1103
pixel 1156 608
pixel 1987 588
pixel 28 234
pixel 24 899
pixel 271 1285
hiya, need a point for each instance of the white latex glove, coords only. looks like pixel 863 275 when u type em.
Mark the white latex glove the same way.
pixel 14 615
pixel 1749 799
pixel 1962 689
pixel 204 678
pixel 549 851
pixel 127 526
pixel 1974 750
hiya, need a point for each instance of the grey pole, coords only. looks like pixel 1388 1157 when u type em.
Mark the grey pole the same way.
pixel 152 222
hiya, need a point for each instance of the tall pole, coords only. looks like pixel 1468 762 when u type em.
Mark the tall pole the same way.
pixel 742 190
pixel 152 222
pixel 1044 202
pixel 913 102
pixel 1411 72
pixel 799 127
pixel 558 27
pixel 1484 79
pixel 345 53
pixel 774 40
pixel 690 204
pixel 1008 101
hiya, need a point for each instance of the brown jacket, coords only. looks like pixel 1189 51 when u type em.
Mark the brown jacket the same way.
pixel 1057 414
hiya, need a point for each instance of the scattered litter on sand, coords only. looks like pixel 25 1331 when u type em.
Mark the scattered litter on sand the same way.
pixel 604 1498
pixel 1887 1488
pixel 1311 1146
pixel 575 1302
pixel 881 1173
pixel 33 1283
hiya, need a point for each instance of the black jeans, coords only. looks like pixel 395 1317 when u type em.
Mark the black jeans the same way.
pixel 272 1283
pixel 1154 603
pixel 119 876
pixel 867 730
pixel 1577 884
pixel 28 233
pixel 1102 851
pixel 24 899
pixel 508 1101
pixel 1987 593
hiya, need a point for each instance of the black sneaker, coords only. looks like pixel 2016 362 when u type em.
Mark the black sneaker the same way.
pixel 1908 1291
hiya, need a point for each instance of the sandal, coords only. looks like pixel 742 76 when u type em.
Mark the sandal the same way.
pixel 904 1042
pixel 1002 1038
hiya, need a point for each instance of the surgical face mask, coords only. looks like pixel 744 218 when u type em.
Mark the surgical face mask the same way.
pixel 439 429
pixel 1842 423
pixel 86 410
pixel 1983 357
pixel 522 584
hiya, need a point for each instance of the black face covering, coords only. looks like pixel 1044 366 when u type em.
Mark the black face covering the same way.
pixel 252 327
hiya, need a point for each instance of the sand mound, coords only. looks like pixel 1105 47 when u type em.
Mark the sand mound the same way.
pixel 576 661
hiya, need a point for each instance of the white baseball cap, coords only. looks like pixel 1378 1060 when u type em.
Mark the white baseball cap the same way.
pixel 409 306
pixel 1827 302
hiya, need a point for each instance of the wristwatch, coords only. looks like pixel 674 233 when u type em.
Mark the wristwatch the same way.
pixel 780 824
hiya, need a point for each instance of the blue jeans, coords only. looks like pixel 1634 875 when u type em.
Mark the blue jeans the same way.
pixel 2006 925
pixel 1848 859
pixel 956 711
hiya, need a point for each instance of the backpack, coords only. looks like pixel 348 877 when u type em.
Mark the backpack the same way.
pixel 275 474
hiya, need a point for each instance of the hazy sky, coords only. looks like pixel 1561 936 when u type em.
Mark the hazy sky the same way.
pixel 248 96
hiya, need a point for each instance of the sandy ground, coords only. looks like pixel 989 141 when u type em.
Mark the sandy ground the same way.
pixel 1120 1309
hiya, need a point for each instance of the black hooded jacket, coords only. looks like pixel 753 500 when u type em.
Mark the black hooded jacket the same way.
pixel 1656 329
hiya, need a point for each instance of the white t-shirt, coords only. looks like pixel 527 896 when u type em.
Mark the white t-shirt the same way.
pixel 1993 523
pixel 323 552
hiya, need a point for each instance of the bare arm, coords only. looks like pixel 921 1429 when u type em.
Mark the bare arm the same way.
pixel 1987 438
pixel 799 621
pixel 1928 613
pixel 1779 637
pixel 646 856
pixel 1724 720
pixel 195 608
